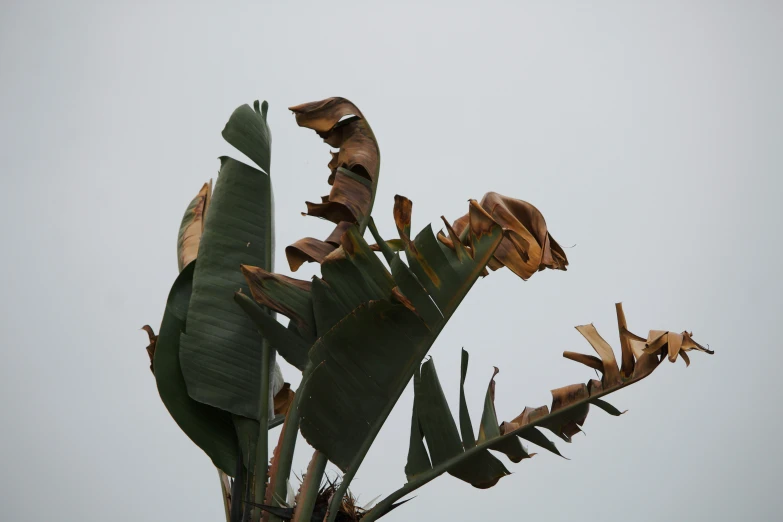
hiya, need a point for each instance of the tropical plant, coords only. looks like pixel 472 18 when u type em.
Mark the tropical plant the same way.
pixel 359 333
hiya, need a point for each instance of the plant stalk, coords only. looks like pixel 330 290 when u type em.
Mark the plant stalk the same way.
pixel 262 458
pixel 288 444
pixel 225 488
pixel 310 487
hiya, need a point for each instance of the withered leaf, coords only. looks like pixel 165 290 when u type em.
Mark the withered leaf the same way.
pixel 307 250
pixel 570 404
pixel 605 352
pixel 283 399
pixel 354 171
pixel 192 226
pixel 640 355
pixel 527 246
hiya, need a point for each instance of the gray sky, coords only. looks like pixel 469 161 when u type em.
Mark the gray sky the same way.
pixel 649 135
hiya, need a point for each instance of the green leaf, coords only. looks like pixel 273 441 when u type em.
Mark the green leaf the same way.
pixel 465 426
pixel 221 347
pixel 247 433
pixel 536 437
pixel 608 408
pixel 418 459
pixel 364 362
pixel 328 310
pixel 287 343
pixel 210 428
pixel 248 131
pixel 489 427
pixel 361 367
pixel 482 470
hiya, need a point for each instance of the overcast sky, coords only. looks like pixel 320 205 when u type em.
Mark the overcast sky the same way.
pixel 650 135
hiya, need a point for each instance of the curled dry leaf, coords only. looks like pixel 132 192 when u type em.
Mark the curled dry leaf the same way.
pixel 354 171
pixel 527 246
pixel 311 250
pixel 192 226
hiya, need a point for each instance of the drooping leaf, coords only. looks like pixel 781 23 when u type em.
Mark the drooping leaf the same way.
pixel 210 428
pixel 608 408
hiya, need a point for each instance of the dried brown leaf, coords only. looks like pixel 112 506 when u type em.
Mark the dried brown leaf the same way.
pixel 353 173
pixel 193 226
pixel 562 398
pixel 307 250
pixel 570 404
pixel 403 208
pixel 605 352
pixel 674 341
pixel 259 281
pixel 527 246
pixel 625 342
pixel 588 360
pixel 527 416
pixel 283 399
pixel 646 353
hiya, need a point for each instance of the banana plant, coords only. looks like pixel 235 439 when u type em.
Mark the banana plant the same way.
pixel 359 332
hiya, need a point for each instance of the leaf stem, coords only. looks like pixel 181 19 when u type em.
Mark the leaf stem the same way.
pixel 310 487
pixel 262 458
pixel 288 443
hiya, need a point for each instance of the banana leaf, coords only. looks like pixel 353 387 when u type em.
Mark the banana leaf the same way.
pixel 221 348
pixel 372 326
pixel 210 428
pixel 570 404
pixel 482 470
